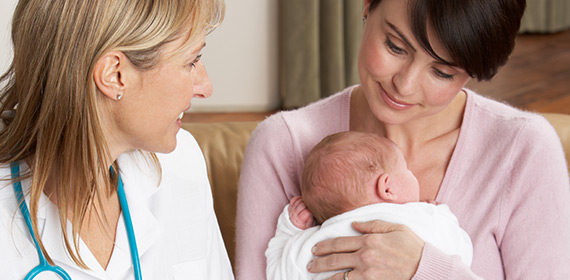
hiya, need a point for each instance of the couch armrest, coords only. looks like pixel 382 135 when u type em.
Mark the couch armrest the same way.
pixel 223 145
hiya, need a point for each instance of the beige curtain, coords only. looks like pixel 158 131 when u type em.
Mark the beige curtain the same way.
pixel 319 41
pixel 546 16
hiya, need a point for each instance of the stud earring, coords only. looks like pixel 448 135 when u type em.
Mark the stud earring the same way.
pixel 119 96
pixel 364 19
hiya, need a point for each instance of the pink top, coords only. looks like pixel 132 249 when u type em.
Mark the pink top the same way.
pixel 507 183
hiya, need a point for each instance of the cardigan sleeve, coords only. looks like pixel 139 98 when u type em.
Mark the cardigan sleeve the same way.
pixel 435 264
pixel 535 208
pixel 265 180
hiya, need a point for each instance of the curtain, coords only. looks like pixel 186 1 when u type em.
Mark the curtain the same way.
pixel 546 16
pixel 318 48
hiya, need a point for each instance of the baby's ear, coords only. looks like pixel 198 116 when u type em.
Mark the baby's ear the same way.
pixel 384 188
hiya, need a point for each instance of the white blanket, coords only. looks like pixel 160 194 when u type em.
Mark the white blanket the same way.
pixel 289 251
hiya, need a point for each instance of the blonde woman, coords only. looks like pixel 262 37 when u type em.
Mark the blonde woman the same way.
pixel 95 89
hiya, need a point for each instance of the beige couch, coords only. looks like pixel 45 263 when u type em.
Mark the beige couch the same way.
pixel 223 145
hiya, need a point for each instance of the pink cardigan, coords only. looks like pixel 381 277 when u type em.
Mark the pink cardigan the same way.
pixel 507 183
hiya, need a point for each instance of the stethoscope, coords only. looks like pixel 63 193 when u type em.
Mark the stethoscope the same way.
pixel 44 265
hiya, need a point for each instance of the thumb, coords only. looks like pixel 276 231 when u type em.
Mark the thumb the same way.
pixel 376 226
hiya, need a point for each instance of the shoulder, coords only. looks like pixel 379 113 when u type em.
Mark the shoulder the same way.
pixel 316 120
pixel 490 113
pixel 7 195
pixel 513 139
pixel 5 175
pixel 7 192
pixel 497 122
pixel 332 110
pixel 186 158
pixel 336 106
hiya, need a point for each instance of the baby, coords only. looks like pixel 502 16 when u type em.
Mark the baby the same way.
pixel 354 176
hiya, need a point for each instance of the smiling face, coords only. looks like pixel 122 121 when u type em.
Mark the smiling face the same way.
pixel 400 80
pixel 150 111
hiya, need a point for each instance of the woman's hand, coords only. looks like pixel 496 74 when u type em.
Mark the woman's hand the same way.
pixel 299 214
pixel 385 251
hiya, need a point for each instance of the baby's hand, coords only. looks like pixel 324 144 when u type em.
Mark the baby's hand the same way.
pixel 432 202
pixel 300 216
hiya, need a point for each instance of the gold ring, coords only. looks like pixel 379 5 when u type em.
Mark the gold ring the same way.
pixel 346 274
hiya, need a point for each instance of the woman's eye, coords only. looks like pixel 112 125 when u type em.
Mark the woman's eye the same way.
pixel 393 48
pixel 443 75
pixel 193 64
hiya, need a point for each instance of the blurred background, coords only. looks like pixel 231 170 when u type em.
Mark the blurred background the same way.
pixel 270 55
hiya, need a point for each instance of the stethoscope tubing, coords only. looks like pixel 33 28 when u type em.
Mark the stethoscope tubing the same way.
pixel 129 227
pixel 44 264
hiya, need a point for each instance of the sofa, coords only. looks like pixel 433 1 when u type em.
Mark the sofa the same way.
pixel 223 145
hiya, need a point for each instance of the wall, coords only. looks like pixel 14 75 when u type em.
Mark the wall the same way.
pixel 241 57
pixel 6 10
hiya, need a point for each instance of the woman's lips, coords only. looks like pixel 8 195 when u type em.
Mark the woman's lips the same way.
pixel 185 110
pixel 393 103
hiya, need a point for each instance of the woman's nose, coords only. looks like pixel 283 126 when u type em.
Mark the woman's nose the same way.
pixel 202 85
pixel 407 79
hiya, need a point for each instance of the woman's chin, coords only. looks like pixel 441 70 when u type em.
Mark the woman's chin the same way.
pixel 166 147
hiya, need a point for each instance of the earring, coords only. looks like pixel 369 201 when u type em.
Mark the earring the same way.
pixel 364 19
pixel 119 96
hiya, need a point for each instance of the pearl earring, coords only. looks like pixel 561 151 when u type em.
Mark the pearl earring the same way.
pixel 119 96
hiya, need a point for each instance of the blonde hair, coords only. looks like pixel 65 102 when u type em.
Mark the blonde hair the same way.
pixel 338 169
pixel 55 124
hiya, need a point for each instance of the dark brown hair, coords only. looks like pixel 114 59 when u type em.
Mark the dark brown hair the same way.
pixel 479 35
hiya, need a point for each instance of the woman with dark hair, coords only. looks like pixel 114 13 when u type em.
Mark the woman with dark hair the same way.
pixel 501 171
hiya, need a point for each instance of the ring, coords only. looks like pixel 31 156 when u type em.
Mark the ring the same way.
pixel 346 274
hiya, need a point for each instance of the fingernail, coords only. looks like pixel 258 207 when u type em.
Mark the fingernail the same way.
pixel 310 265
pixel 314 249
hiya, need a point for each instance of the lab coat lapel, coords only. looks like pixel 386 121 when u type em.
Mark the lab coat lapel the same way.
pixel 55 244
pixel 140 182
pixel 50 233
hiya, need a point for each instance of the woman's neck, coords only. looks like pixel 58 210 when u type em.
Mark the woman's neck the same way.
pixel 99 225
pixel 412 133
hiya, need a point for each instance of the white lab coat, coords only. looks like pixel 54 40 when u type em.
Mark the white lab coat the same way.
pixel 289 251
pixel 176 229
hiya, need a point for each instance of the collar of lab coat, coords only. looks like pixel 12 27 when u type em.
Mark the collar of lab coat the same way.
pixel 140 181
